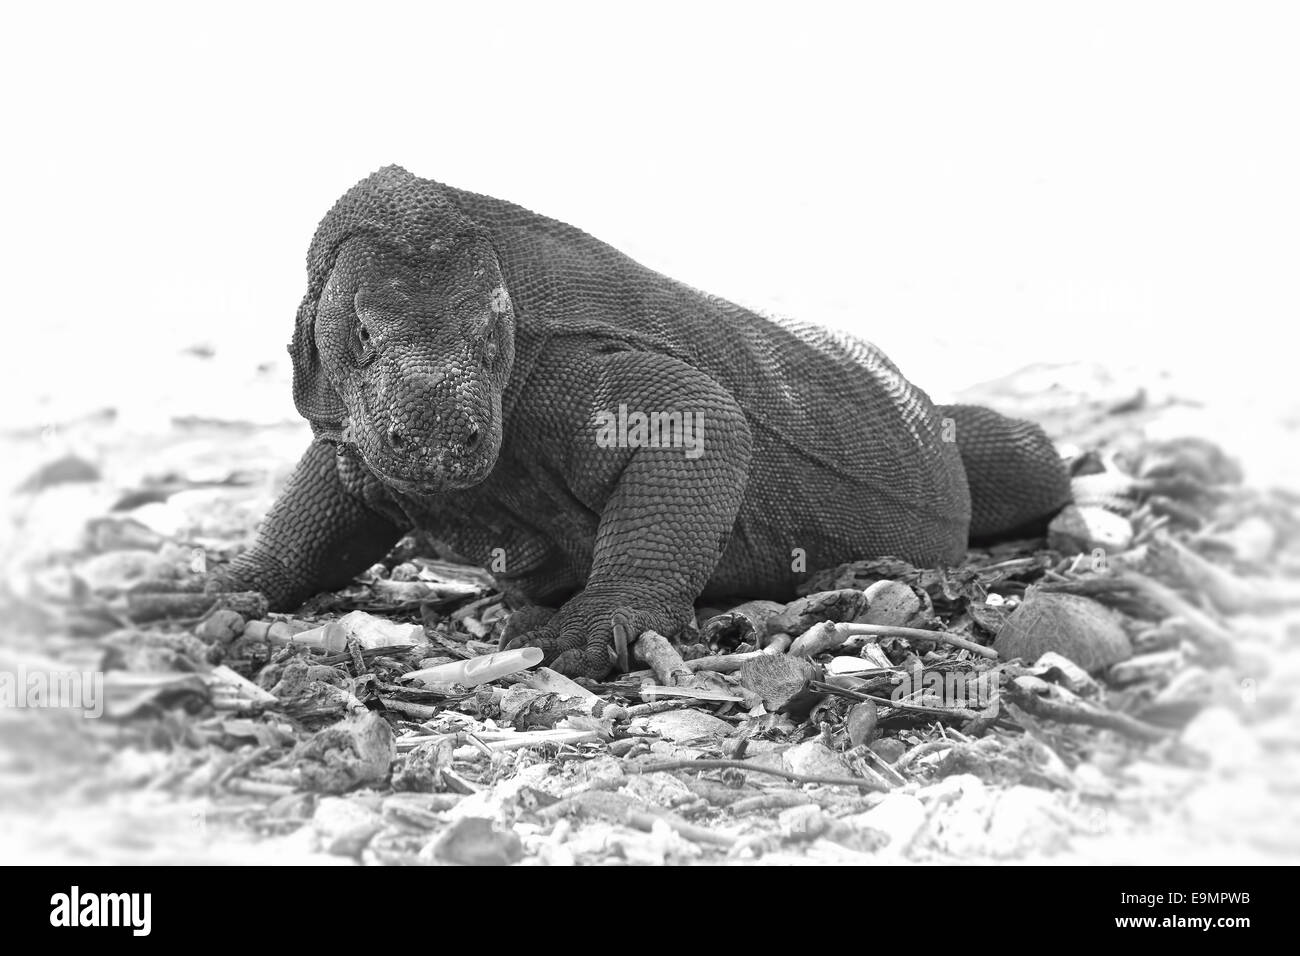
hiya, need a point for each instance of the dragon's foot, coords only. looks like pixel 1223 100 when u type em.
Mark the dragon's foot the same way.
pixel 591 634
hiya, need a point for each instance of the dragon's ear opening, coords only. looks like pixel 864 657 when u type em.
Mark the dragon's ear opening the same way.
pixel 313 393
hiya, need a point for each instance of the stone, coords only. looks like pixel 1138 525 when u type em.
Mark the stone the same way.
pixel 1075 627
pixel 477 841
pixel 813 758
pixel 687 724
pixel 891 603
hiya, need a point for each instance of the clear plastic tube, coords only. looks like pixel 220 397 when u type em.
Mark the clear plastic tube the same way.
pixel 368 630
pixel 478 670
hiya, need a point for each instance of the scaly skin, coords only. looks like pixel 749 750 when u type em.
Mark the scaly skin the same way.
pixel 458 351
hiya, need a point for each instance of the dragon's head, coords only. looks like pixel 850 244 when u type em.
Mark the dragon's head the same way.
pixel 405 340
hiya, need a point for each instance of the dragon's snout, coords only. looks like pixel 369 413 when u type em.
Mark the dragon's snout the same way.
pixel 402 442
pixel 428 434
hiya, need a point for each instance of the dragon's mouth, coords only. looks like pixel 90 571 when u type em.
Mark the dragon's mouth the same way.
pixel 426 482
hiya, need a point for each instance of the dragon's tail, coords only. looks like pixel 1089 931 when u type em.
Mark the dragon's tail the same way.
pixel 1017 480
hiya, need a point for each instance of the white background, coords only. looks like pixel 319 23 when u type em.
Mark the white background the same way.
pixel 972 186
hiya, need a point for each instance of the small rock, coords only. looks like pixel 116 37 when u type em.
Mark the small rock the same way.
pixel 1081 529
pixel 349 754
pixel 888 749
pixel 343 826
pixel 476 841
pixel 814 758
pixel 221 627
pixel 1075 627
pixel 682 725
pixel 891 603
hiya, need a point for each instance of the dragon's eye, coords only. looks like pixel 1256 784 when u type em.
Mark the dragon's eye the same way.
pixel 492 345
pixel 366 348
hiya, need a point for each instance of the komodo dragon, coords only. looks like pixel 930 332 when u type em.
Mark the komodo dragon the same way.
pixel 474 369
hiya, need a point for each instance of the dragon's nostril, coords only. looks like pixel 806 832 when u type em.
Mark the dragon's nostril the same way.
pixel 396 438
pixel 471 435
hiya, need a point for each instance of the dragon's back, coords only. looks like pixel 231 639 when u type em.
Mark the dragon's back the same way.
pixel 825 398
